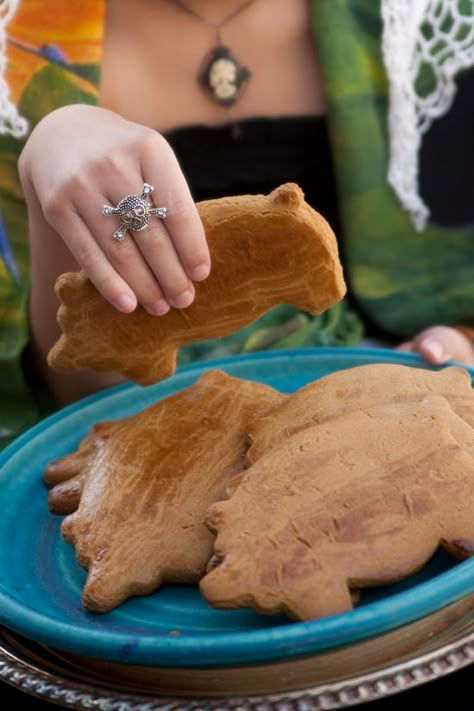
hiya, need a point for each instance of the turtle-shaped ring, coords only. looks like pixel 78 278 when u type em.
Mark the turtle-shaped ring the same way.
pixel 134 212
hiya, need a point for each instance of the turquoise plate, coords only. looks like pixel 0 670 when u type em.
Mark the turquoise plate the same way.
pixel 41 583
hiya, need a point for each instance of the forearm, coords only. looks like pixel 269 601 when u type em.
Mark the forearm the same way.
pixel 50 258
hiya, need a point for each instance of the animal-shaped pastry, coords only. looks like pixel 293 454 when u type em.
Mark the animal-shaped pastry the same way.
pixel 65 476
pixel 136 496
pixel 356 389
pixel 266 250
pixel 363 499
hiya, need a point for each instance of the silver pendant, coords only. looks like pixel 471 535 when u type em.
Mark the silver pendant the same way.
pixel 223 76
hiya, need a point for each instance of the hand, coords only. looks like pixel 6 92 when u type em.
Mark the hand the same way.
pixel 440 344
pixel 79 158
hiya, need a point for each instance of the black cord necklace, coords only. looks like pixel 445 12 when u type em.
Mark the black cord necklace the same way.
pixel 222 75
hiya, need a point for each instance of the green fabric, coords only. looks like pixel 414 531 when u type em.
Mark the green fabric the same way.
pixel 402 280
pixel 283 327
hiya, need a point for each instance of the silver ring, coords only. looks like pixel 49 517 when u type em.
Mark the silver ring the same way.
pixel 134 212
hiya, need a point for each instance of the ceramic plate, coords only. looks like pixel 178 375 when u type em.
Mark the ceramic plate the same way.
pixel 41 583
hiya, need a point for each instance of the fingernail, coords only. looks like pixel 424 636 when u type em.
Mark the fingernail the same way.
pixel 126 303
pixel 435 348
pixel 201 272
pixel 160 308
pixel 184 299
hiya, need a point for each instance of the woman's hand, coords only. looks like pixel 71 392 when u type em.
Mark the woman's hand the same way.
pixel 80 158
pixel 440 344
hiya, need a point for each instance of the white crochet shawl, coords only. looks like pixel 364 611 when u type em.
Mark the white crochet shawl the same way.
pixel 421 35
pixel 10 121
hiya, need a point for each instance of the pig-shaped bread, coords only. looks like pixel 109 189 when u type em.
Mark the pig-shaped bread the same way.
pixel 266 250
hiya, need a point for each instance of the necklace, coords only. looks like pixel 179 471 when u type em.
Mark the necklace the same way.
pixel 222 76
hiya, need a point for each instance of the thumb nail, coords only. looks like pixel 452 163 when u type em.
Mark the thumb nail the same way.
pixel 434 348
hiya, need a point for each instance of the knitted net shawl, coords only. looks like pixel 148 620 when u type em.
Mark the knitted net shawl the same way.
pixel 10 121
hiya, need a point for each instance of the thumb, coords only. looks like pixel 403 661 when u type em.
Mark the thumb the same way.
pixel 434 350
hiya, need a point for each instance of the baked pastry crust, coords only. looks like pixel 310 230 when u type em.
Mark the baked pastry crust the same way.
pixel 137 490
pixel 356 389
pixel 266 250
pixel 362 499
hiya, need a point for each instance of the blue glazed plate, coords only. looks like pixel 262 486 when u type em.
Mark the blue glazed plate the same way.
pixel 41 583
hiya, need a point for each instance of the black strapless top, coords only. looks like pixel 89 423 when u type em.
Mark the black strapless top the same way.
pixel 257 155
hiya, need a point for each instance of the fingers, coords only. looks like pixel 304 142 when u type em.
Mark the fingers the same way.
pixel 124 262
pixel 440 344
pixel 434 350
pixel 443 344
pixel 430 348
pixel 175 249
pixel 88 253
pixel 154 267
pixel 160 262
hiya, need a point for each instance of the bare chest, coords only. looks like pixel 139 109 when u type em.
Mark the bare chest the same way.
pixel 156 62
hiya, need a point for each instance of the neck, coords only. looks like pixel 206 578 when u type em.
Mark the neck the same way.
pixel 156 83
pixel 211 10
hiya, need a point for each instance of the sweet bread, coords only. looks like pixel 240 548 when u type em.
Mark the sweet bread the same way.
pixel 137 490
pixel 266 250
pixel 360 500
pixel 355 389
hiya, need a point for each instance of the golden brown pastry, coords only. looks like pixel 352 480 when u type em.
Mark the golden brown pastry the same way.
pixel 65 476
pixel 265 249
pixel 362 499
pixel 355 389
pixel 141 493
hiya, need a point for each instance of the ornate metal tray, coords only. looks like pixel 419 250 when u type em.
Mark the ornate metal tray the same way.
pixel 44 675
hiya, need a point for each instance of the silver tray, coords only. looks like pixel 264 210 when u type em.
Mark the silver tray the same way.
pixel 42 673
